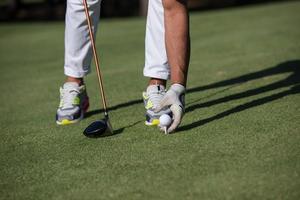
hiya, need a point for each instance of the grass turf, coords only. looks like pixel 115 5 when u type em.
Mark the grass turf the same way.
pixel 239 138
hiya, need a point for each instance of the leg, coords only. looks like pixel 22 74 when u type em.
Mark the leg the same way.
pixel 156 62
pixel 78 52
pixel 74 101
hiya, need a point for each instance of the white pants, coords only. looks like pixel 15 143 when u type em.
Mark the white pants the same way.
pixel 78 52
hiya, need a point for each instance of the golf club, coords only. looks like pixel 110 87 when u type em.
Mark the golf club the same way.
pixel 101 127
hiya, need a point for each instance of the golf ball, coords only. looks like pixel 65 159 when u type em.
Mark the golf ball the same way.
pixel 165 120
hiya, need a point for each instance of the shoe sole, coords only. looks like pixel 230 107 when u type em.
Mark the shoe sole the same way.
pixel 155 122
pixel 68 122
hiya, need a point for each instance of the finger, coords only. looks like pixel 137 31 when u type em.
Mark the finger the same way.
pixel 162 104
pixel 158 108
pixel 177 115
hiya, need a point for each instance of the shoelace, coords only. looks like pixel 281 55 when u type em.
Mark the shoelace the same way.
pixel 155 97
pixel 68 98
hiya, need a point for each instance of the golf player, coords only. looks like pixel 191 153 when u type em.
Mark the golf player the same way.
pixel 167 53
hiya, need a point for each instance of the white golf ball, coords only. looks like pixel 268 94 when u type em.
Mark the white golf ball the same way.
pixel 165 120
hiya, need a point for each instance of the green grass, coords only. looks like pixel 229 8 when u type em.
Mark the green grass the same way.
pixel 239 138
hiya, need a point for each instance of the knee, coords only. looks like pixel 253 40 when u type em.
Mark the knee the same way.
pixel 172 5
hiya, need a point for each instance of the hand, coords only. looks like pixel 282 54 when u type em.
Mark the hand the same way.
pixel 174 98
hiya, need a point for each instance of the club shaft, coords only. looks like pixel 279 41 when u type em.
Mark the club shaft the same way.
pixel 99 75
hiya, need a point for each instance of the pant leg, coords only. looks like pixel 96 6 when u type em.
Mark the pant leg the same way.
pixel 78 51
pixel 156 61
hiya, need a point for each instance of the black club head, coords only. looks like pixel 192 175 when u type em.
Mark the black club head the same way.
pixel 99 128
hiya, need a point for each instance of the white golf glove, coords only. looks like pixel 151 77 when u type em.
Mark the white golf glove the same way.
pixel 174 98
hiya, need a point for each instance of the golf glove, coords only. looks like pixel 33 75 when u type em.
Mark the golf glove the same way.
pixel 174 99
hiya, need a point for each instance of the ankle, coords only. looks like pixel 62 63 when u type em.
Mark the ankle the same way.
pixel 79 81
pixel 156 81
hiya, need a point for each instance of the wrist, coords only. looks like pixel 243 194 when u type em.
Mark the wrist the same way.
pixel 178 88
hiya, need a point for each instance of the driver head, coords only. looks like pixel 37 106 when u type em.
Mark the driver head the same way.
pixel 99 128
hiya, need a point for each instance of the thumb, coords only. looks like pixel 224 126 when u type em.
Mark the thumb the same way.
pixel 177 111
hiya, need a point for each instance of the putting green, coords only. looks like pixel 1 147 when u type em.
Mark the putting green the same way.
pixel 239 138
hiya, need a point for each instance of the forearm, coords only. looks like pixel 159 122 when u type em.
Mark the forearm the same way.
pixel 177 39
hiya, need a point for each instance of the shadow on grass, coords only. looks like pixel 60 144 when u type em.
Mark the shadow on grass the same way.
pixel 291 81
pixel 117 131
pixel 122 105
pixel 120 130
